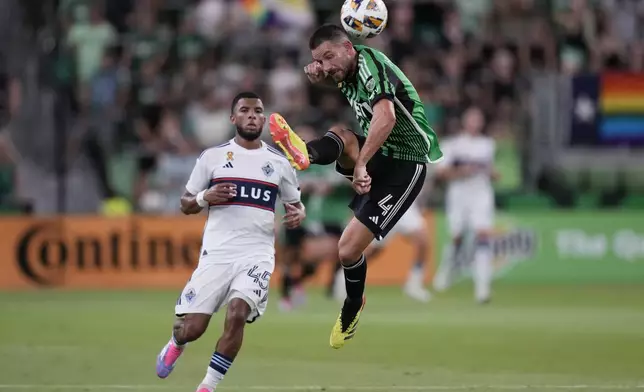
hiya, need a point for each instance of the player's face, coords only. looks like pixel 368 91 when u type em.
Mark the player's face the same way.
pixel 473 121
pixel 336 59
pixel 249 118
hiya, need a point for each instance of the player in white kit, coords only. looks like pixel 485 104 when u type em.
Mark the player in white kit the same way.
pixel 240 183
pixel 468 168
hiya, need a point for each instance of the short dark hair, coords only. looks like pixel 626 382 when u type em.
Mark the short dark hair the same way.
pixel 242 95
pixel 326 32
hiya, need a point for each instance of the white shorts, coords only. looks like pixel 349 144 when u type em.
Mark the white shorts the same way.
pixel 409 223
pixel 470 213
pixel 213 286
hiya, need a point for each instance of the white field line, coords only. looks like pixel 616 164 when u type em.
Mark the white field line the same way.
pixel 473 387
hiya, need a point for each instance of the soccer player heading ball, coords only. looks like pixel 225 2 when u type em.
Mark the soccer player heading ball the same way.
pixel 387 165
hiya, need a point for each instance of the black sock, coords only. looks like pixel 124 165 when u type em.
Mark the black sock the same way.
pixel 287 285
pixel 308 270
pixel 325 150
pixel 355 276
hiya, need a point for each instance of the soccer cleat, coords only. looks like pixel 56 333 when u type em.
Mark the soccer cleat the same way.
pixel 286 139
pixel 346 330
pixel 167 359
pixel 414 287
pixel 204 388
pixel 285 305
pixel 417 293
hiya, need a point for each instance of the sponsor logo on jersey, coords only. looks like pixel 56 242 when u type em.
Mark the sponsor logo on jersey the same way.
pixel 250 193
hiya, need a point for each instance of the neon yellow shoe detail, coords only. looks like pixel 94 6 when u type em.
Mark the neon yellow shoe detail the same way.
pixel 338 336
pixel 286 139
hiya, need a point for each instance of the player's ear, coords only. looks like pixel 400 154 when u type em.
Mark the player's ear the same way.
pixel 233 119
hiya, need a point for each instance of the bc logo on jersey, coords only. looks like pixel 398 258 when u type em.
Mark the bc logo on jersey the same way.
pixel 250 193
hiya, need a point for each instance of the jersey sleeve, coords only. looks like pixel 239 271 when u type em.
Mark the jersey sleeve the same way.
pixel 448 158
pixel 378 77
pixel 289 188
pixel 199 178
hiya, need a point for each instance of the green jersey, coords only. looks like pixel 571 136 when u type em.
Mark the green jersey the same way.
pixel 412 139
pixel 330 208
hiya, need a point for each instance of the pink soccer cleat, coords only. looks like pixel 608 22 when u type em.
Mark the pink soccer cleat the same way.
pixel 167 359
pixel 204 388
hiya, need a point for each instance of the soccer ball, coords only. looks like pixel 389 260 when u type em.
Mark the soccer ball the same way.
pixel 363 18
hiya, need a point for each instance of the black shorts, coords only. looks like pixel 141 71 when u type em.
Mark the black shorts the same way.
pixel 295 237
pixel 395 184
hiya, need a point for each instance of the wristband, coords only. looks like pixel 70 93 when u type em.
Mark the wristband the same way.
pixel 200 200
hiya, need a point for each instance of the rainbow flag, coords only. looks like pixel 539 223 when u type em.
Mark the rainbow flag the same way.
pixel 257 10
pixel 621 105
pixel 608 109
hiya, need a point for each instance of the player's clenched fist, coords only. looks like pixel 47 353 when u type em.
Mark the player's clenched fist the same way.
pixel 314 72
pixel 361 180
pixel 220 193
pixel 294 216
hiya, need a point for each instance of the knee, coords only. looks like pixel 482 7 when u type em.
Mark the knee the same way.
pixel 236 316
pixel 188 329
pixel 421 238
pixel 346 135
pixel 348 252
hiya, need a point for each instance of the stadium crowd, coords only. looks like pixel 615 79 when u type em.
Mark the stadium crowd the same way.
pixel 150 81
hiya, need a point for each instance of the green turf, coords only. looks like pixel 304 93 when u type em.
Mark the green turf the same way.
pixel 535 337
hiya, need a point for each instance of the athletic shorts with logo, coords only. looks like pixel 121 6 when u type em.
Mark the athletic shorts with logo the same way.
pixel 214 284
pixel 395 184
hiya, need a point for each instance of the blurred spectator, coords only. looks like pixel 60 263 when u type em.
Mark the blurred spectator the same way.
pixel 155 81
pixel 89 37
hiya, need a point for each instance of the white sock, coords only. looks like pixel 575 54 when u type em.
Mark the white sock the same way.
pixel 219 365
pixel 482 271
pixel 416 275
pixel 442 276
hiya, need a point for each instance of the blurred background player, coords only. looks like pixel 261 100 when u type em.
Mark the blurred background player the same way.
pixel 239 183
pixel 325 193
pixel 468 169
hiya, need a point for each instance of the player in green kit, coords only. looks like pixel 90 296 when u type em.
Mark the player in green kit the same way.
pixel 387 166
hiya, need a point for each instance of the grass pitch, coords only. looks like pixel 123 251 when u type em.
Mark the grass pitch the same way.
pixel 530 337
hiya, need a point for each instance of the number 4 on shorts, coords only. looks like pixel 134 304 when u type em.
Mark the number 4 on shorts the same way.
pixel 383 204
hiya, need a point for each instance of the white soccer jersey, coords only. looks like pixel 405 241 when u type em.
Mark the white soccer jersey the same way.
pixel 243 227
pixel 472 150
pixel 470 200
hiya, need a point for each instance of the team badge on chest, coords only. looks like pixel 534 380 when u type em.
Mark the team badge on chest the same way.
pixel 268 169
